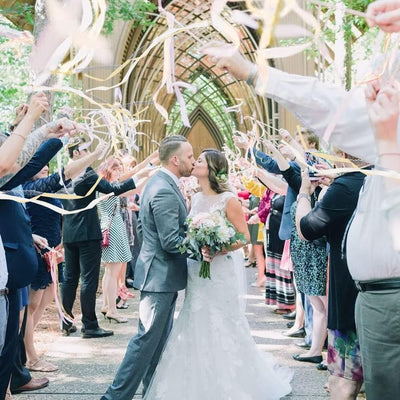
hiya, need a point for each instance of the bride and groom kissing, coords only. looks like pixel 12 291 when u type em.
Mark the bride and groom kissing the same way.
pixel 209 354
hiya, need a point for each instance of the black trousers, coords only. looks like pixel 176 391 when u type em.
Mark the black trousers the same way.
pixel 20 375
pixel 82 260
pixel 11 345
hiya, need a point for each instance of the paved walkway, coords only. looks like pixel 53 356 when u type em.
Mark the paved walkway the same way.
pixel 87 366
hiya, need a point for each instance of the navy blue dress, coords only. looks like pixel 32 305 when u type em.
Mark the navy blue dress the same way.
pixel 45 222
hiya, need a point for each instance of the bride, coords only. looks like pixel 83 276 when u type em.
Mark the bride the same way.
pixel 210 353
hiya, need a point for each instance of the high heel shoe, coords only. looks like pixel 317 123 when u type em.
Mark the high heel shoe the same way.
pixel 251 264
pixel 104 312
pixel 117 318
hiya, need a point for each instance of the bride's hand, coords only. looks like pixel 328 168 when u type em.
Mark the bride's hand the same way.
pixel 207 256
pixel 205 252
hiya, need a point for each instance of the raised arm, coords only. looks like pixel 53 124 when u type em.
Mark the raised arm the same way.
pixel 315 104
pixel 74 168
pixel 274 183
pixel 16 150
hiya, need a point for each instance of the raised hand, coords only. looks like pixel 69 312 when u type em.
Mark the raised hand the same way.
pixel 270 146
pixel 241 142
pixel 306 186
pixel 228 58
pixel 20 113
pixel 383 108
pixel 385 14
pixel 37 106
pixel 101 149
pixel 285 135
pixel 287 152
pixel 61 127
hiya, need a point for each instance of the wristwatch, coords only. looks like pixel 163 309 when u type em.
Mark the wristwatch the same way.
pixel 305 196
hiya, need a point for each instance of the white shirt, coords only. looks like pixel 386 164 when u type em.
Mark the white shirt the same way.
pixel 370 249
pixel 3 267
pixel 371 252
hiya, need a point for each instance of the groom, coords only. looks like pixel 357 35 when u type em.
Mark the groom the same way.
pixel 160 269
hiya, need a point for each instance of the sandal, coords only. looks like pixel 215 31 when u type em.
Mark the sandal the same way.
pixel 41 366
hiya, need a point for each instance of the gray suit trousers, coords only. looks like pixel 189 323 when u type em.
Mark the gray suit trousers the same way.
pixel 156 313
pixel 378 329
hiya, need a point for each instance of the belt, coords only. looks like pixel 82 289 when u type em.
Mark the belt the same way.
pixel 377 285
pixel 3 292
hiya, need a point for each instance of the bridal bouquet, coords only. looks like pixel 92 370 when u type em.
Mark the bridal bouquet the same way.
pixel 211 230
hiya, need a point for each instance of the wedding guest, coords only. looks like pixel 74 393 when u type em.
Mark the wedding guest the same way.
pixel 309 266
pixel 377 273
pixel 130 208
pixel 269 164
pixel 16 232
pixel 117 252
pixel 82 245
pixel 330 218
pixel 47 224
pixel 256 190
pixel 279 289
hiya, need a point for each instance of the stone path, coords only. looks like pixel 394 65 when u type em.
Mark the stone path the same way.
pixel 87 366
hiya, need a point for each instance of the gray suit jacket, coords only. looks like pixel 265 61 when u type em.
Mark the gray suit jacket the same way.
pixel 160 266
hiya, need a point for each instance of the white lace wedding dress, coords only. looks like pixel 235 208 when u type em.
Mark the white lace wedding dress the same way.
pixel 210 353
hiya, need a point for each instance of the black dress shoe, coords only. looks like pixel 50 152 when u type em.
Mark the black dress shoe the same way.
pixel 290 324
pixel 299 333
pixel 303 345
pixel 290 316
pixel 33 384
pixel 313 359
pixel 95 333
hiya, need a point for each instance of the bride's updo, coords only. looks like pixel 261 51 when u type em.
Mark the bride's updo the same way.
pixel 218 168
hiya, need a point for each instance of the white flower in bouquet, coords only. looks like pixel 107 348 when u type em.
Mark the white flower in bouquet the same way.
pixel 210 230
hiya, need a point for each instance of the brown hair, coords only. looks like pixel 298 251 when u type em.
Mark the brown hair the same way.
pixel 218 168
pixel 169 147
pixel 108 166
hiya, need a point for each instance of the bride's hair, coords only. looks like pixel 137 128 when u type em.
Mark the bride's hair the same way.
pixel 218 168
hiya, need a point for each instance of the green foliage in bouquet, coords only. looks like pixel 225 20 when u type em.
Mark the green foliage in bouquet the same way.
pixel 210 230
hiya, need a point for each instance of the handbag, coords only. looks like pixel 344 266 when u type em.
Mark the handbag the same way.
pixel 105 233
